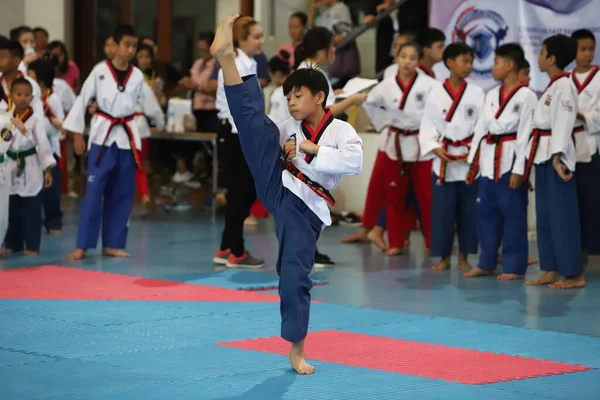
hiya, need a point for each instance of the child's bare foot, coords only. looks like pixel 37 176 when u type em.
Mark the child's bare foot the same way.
pixel 375 236
pixel 78 254
pixel 358 237
pixel 251 221
pixel 5 252
pixel 443 265
pixel 478 272
pixel 55 232
pixel 297 360
pixel 30 253
pixel 546 279
pixel 531 261
pixel 107 251
pixel 510 277
pixel 573 282
pixel 223 43
pixel 463 263
pixel 393 251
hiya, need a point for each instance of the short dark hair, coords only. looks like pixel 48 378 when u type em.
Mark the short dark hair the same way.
pixel 207 36
pixel 523 64
pixel 583 34
pixel 20 81
pixel 16 32
pixel 429 36
pixel 563 48
pixel 149 49
pixel 57 44
pixel 123 30
pixel 511 51
pixel 280 63
pixel 311 78
pixel 14 47
pixel 3 38
pixel 44 71
pixel 412 44
pixel 39 29
pixel 301 16
pixel 316 39
pixel 25 29
pixel 456 49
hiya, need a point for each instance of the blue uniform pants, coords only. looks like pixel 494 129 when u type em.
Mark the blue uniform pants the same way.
pixel 108 198
pixel 297 227
pixel 24 223
pixel 51 200
pixel 587 178
pixel 501 217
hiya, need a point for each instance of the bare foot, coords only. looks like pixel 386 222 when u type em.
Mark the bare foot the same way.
pixel 444 264
pixel 107 251
pixel 297 360
pixel 478 272
pixel 223 43
pixel 546 279
pixel 5 252
pixel 358 237
pixel 55 232
pixel 251 221
pixel 393 251
pixel 30 253
pixel 510 277
pixel 463 262
pixel 375 236
pixel 78 254
pixel 531 261
pixel 573 282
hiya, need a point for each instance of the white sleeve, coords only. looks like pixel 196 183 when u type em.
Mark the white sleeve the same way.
pixel 429 135
pixel 56 106
pixel 375 108
pixel 563 111
pixel 43 149
pixel 151 108
pixel 37 104
pixel 346 159
pixel 592 117
pixel 68 98
pixel 524 133
pixel 75 121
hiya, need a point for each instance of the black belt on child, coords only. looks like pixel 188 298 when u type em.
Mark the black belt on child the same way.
pixel 454 143
pixel 312 185
pixel 120 121
pixel 20 156
pixel 498 141
pixel 403 132
pixel 536 135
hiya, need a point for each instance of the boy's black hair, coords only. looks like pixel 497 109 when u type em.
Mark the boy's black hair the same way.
pixel 208 37
pixel 523 64
pixel 280 63
pixel 583 34
pixel 25 29
pixel 123 30
pixel 412 44
pixel 563 48
pixel 429 36
pixel 21 81
pixel 456 49
pixel 44 71
pixel 316 39
pixel 301 16
pixel 16 32
pixel 3 38
pixel 57 44
pixel 14 47
pixel 511 51
pixel 39 29
pixel 311 78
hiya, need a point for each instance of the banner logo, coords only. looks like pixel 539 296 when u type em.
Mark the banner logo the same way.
pixel 483 30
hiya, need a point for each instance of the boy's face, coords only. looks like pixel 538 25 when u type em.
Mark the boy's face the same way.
pixel 545 62
pixel 41 40
pixel 21 95
pixel 126 48
pixel 502 67
pixel 435 52
pixel 586 49
pixel 302 103
pixel 8 63
pixel 524 76
pixel 407 60
pixel 462 66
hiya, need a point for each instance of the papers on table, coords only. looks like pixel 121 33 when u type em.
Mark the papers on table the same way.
pixel 356 85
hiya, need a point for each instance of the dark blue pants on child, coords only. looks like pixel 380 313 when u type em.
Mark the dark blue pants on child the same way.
pixel 453 207
pixel 588 192
pixel 558 228
pixel 297 227
pixel 24 223
pixel 108 198
pixel 501 217
pixel 51 200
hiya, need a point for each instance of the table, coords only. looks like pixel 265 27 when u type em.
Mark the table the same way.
pixel 190 137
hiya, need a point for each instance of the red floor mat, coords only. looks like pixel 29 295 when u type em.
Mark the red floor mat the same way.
pixel 62 283
pixel 412 358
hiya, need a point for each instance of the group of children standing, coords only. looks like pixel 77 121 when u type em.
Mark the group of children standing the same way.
pixel 467 157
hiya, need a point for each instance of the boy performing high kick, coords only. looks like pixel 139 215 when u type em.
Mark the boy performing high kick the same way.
pixel 318 150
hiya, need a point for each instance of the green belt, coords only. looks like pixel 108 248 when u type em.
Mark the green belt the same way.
pixel 20 156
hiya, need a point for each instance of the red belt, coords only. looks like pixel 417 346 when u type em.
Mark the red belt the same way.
pixel 454 143
pixel 497 140
pixel 312 185
pixel 120 121
pixel 536 135
pixel 403 132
